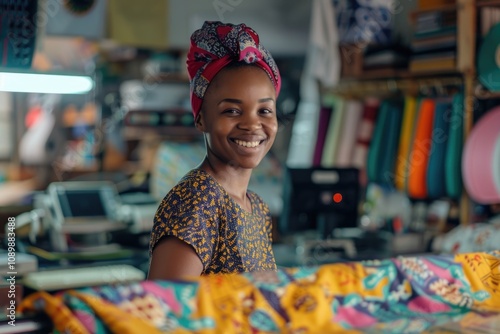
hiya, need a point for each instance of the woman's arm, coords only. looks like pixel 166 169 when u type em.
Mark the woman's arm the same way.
pixel 172 258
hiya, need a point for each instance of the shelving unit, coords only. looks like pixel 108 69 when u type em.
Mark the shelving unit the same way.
pixel 389 82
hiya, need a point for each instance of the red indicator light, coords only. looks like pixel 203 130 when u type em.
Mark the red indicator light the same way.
pixel 337 197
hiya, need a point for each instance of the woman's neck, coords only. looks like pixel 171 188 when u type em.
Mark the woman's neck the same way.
pixel 233 180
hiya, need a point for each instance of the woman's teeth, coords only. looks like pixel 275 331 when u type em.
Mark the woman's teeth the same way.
pixel 247 143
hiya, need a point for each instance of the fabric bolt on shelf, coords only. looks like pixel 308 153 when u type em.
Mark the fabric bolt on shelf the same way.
pixel 377 144
pixel 333 133
pixel 420 150
pixel 347 140
pixel 399 295
pixel 364 134
pixel 384 145
pixel 324 119
pixel 453 160
pixel 478 163
pixel 405 139
pixel 488 65
pixel 436 185
pixel 390 151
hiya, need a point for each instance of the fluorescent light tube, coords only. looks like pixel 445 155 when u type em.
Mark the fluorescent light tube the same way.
pixel 25 82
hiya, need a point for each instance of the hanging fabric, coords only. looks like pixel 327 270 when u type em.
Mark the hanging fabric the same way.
pixel 384 145
pixel 365 132
pixel 323 65
pixel 347 141
pixel 405 140
pixel 332 140
pixel 324 119
pixel 436 186
pixel 420 150
pixel 453 160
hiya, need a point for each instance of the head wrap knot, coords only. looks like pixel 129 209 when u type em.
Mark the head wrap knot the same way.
pixel 216 45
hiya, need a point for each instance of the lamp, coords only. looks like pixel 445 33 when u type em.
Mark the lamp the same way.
pixel 37 82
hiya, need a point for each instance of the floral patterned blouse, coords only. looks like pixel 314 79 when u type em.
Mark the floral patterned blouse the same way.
pixel 227 238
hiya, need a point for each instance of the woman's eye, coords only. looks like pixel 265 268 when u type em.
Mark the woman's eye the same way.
pixel 231 111
pixel 266 111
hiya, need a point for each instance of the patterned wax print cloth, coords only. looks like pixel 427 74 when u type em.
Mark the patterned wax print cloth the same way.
pixel 400 295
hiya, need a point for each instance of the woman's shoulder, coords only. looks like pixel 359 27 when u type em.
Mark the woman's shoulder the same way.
pixel 258 201
pixel 196 183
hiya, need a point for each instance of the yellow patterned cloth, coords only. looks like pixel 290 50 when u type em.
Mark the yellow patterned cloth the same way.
pixel 400 295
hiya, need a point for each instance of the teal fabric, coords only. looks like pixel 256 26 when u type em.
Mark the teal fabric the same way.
pixel 383 150
pixel 374 166
pixel 436 186
pixel 453 160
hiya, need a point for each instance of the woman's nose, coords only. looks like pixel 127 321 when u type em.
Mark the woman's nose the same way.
pixel 250 121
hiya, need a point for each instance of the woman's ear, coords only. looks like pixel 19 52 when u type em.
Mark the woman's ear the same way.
pixel 198 122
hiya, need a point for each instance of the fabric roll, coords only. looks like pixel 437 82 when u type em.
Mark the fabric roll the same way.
pixel 364 135
pixel 347 140
pixel 453 160
pixel 333 133
pixel 373 166
pixel 420 150
pixel 436 185
pixel 405 140
pixel 324 120
pixel 390 145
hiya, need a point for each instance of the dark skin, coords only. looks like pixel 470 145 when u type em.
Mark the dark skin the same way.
pixel 238 119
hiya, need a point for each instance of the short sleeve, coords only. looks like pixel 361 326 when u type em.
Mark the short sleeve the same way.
pixel 188 213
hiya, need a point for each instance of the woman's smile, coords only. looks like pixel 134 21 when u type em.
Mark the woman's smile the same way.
pixel 238 117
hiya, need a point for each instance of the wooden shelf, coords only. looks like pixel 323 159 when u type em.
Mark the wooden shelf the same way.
pixel 179 133
pixel 440 8
pixel 176 78
pixel 488 3
pixel 374 75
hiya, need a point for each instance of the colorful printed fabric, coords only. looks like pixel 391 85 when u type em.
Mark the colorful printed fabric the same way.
pixel 227 238
pixel 474 237
pixel 401 295
pixel 216 45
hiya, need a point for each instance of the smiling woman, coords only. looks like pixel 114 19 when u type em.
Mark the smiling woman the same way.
pixel 210 222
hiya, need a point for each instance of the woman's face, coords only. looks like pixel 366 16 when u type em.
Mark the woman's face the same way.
pixel 238 117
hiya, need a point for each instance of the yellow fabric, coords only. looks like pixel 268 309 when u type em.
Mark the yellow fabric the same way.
pixel 117 320
pixel 316 300
pixel 405 139
pixel 483 273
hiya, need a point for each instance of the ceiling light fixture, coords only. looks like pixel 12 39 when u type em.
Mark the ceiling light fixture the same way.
pixel 32 82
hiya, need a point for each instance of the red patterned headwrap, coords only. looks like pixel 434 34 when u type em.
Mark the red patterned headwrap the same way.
pixel 216 45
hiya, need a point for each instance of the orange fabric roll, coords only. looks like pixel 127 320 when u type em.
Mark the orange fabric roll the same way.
pixel 420 150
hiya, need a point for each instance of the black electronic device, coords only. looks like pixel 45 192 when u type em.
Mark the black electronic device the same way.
pixel 320 199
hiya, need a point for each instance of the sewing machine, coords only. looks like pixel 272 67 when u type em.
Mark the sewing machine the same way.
pixel 86 210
